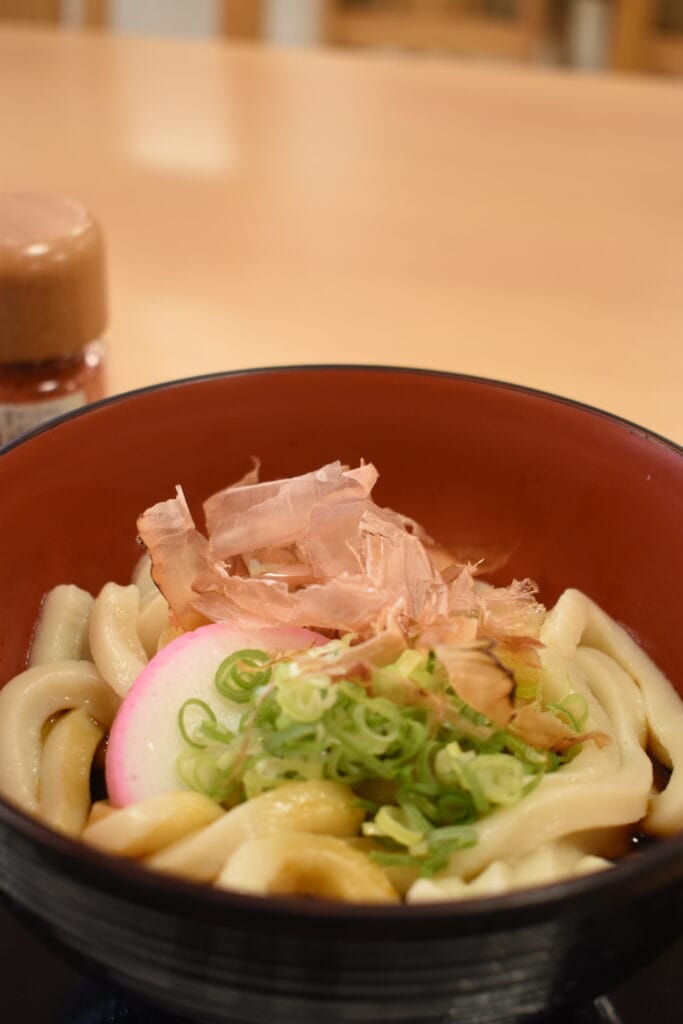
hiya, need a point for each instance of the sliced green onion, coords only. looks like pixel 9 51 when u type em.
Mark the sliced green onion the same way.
pixel 424 771
pixel 530 786
pixel 241 674
pixel 297 738
pixel 517 746
pixel 264 714
pixel 569 754
pixel 414 817
pixel 574 709
pixel 330 650
pixel 375 733
pixel 456 836
pixel 391 822
pixel 501 778
pixel 266 772
pixel 526 689
pixel 395 860
pixel 185 768
pixel 209 716
pixel 208 771
pixel 216 733
pixel 307 698
pixel 444 843
pixel 369 806
pixel 409 663
pixel 430 773
pixel 468 713
pixel 342 765
pixel 456 807
pixel 454 764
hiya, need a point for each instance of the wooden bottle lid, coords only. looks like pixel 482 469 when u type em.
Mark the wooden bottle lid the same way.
pixel 52 278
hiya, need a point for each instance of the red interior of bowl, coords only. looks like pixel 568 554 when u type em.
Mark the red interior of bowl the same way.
pixel 552 490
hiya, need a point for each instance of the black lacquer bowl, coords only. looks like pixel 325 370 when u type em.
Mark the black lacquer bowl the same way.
pixel 574 497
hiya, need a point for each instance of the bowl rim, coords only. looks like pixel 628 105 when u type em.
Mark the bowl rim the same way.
pixel 518 907
pixel 505 385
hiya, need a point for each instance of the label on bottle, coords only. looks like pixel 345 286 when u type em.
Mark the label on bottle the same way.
pixel 18 417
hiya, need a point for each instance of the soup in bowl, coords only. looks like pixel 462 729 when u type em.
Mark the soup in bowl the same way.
pixel 423 903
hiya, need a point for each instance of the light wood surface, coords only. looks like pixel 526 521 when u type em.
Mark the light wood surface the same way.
pixel 269 207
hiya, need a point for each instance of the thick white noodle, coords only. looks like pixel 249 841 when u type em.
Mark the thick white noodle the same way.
pixel 26 703
pixel 116 647
pixel 62 629
pixel 99 810
pixel 142 577
pixel 258 846
pixel 552 862
pixel 149 825
pixel 576 619
pixel 64 800
pixel 152 621
pixel 316 806
pixel 168 634
pixel 299 863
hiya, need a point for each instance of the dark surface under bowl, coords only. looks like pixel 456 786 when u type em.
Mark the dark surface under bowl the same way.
pixel 567 495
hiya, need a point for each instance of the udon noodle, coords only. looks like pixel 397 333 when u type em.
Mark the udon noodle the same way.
pixel 546 732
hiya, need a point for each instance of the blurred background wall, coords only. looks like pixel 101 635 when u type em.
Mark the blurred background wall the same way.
pixel 627 35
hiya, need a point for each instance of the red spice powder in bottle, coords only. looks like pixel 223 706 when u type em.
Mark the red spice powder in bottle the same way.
pixel 53 310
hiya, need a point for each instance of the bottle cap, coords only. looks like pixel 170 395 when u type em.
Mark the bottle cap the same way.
pixel 52 279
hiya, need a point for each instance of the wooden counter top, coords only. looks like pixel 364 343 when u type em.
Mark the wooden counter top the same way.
pixel 266 207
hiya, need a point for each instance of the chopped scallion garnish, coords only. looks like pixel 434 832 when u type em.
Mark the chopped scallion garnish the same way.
pixel 425 766
pixel 240 674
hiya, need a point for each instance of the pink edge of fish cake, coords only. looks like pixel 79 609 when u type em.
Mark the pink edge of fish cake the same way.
pixel 121 787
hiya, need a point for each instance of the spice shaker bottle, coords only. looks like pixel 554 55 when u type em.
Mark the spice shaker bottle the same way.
pixel 53 310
